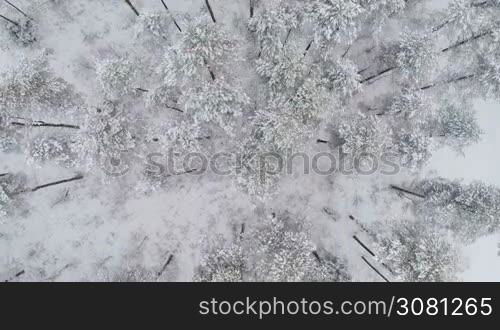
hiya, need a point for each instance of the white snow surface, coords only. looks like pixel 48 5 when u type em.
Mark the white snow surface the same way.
pixel 101 228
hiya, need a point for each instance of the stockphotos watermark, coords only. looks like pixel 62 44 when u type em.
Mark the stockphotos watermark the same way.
pixel 262 165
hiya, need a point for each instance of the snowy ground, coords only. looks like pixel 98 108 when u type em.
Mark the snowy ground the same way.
pixel 94 231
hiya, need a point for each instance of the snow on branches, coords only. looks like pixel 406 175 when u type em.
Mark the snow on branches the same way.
pixel 216 102
pixel 363 134
pixel 458 126
pixel 116 77
pixel 413 56
pixel 32 85
pixel 341 76
pixel 468 210
pixel 278 250
pixel 416 253
pixel 334 20
pixel 203 48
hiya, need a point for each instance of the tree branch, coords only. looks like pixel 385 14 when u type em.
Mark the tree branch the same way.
pixel 466 41
pixel 406 191
pixel 44 124
pixel 9 20
pixel 47 185
pixel 168 10
pixel 378 74
pixel 19 10
pixel 210 11
pixel 453 80
pixel 375 269
pixel 132 7
pixel 252 8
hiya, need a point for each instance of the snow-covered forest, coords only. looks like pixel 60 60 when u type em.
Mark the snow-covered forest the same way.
pixel 242 140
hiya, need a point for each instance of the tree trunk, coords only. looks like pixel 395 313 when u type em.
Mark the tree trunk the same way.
pixel 9 20
pixel 363 245
pixel 308 47
pixel 347 51
pixel 442 25
pixel 209 7
pixel 76 178
pixel 377 75
pixel 363 70
pixel 168 10
pixel 175 108
pixel 322 141
pixel 252 8
pixel 406 191
pixel 470 76
pixel 287 37
pixel 375 269
pixel 44 124
pixel 316 255
pixel 132 7
pixel 466 41
pixel 19 10
pixel 169 260
pixel 47 185
pixel 212 74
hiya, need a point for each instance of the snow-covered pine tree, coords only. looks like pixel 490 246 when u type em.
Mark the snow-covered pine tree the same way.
pixel 336 21
pixel 413 56
pixel 363 134
pixel 31 86
pixel 58 148
pixel 341 77
pixel 21 29
pixel 468 210
pixel 273 26
pixel 255 168
pixel 458 126
pixel 109 133
pixel 415 252
pixel 222 262
pixel 412 146
pixel 5 202
pixel 204 48
pixel 278 250
pixel 117 77
pixel 216 102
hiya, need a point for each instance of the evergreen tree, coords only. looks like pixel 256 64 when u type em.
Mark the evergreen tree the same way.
pixel 468 210
pixel 417 253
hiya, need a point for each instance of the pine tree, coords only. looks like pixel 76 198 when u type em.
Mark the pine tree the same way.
pixel 5 202
pixel 458 126
pixel 256 175
pixel 223 262
pixel 203 48
pixel 32 85
pixel 413 57
pixel 341 77
pixel 413 147
pixel 155 24
pixel 468 210
pixel 334 20
pixel 117 77
pixel 278 250
pixel 57 148
pixel 362 135
pixel 216 102
pixel 416 253
pixel 108 133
